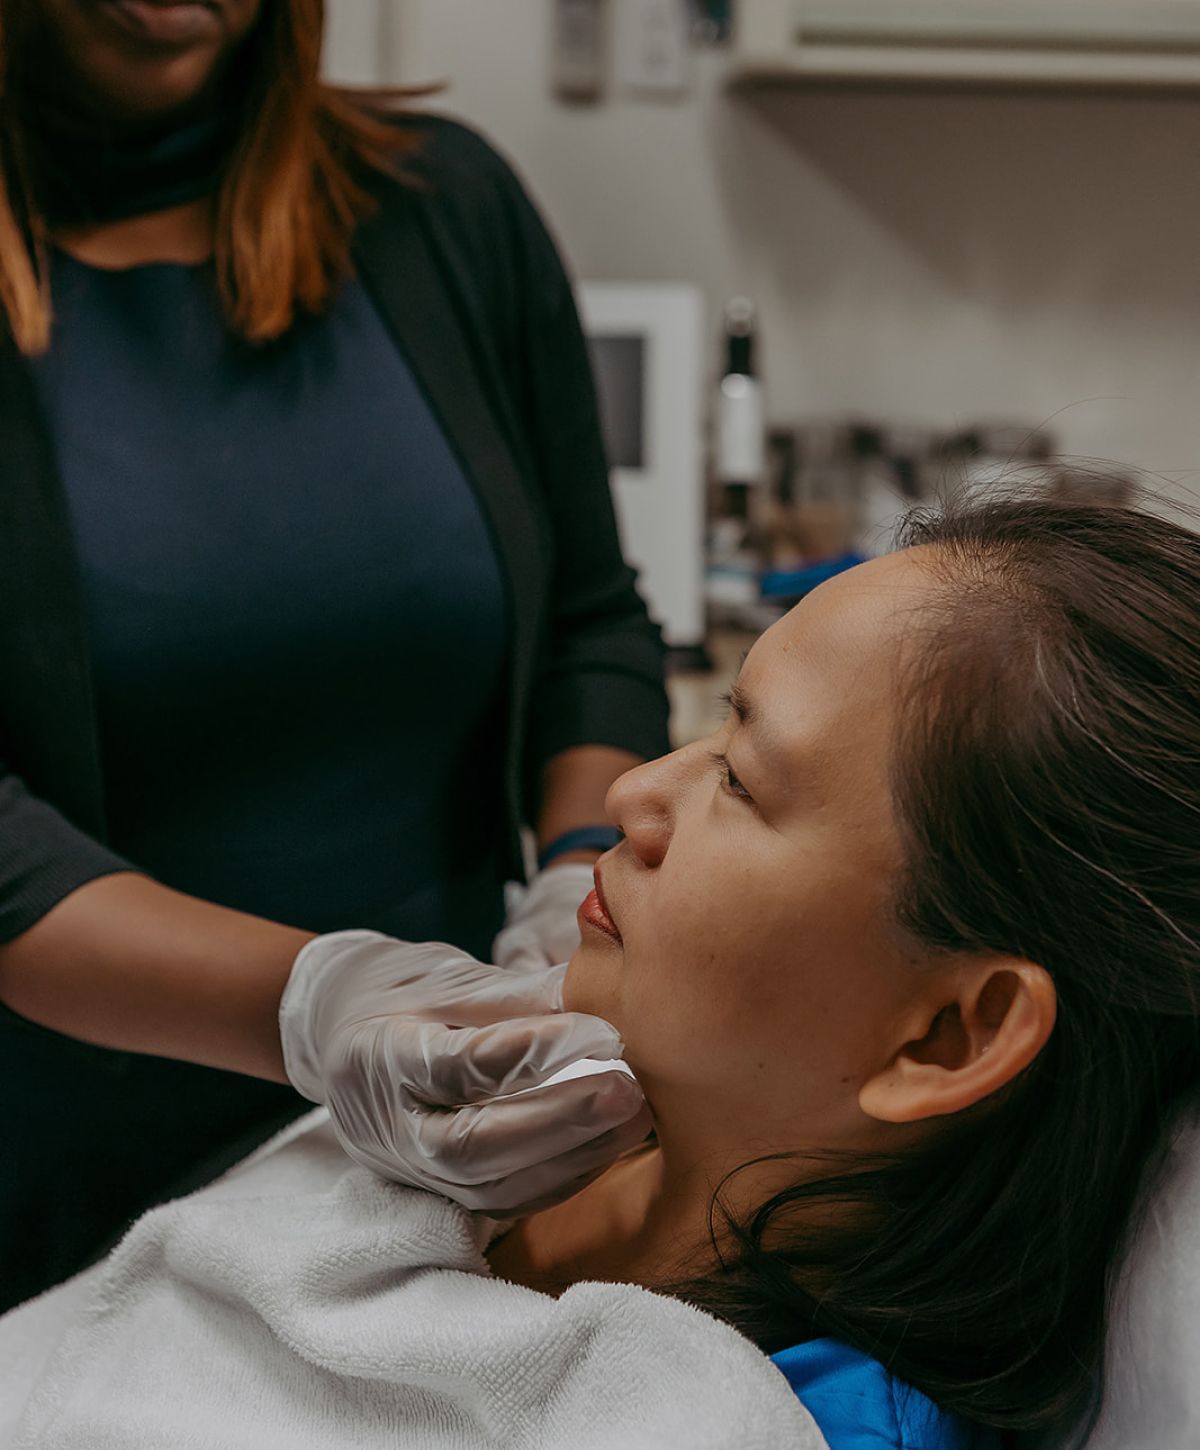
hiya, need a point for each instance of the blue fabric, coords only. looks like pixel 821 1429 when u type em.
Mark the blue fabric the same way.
pixel 296 613
pixel 858 1405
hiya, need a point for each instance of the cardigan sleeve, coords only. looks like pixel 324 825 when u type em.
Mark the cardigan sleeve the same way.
pixel 43 857
pixel 596 665
pixel 600 680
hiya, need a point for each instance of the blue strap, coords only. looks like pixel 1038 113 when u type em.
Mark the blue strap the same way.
pixel 583 838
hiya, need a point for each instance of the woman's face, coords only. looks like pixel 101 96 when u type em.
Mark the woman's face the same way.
pixel 138 60
pixel 757 977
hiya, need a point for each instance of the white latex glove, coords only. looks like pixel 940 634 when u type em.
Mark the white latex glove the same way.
pixel 540 929
pixel 417 1050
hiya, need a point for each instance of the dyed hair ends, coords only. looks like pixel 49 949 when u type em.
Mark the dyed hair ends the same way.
pixel 294 189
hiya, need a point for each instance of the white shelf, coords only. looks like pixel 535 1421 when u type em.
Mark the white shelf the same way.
pixel 1142 44
pixel 955 67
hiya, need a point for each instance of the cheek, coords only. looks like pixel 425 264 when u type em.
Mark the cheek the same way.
pixel 752 973
pixel 667 973
pixel 692 961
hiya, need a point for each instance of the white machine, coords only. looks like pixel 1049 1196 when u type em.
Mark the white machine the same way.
pixel 648 349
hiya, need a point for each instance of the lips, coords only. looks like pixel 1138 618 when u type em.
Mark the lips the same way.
pixel 163 22
pixel 594 912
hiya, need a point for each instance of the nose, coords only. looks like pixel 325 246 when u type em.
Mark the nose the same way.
pixel 644 802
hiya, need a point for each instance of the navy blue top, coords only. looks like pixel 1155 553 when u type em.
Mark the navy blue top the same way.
pixel 278 467
pixel 858 1405
pixel 296 613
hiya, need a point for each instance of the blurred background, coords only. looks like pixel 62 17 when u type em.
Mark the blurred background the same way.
pixel 839 257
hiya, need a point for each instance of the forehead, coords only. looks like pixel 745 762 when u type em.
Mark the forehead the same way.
pixel 858 614
pixel 826 677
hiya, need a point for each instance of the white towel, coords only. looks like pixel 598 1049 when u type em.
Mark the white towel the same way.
pixel 1152 1391
pixel 300 1302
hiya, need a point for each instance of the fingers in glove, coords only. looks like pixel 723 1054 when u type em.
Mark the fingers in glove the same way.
pixel 471 994
pixel 369 976
pixel 555 1179
pixel 495 1140
pixel 530 957
pixel 450 1067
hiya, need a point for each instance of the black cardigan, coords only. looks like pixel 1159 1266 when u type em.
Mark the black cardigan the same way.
pixel 471 287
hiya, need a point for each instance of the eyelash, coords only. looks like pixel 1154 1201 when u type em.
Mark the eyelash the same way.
pixel 732 784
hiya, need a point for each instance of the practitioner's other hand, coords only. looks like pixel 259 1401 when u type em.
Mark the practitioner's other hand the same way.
pixel 540 928
pixel 418 1051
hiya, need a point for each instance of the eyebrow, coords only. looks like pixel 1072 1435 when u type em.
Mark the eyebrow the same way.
pixel 741 704
pixel 749 715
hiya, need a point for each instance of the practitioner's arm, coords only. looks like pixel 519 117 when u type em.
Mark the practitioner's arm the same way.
pixel 540 927
pixel 415 1049
pixel 574 787
pixel 126 963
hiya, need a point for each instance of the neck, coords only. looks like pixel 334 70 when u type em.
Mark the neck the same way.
pixel 644 1221
pixel 648 1220
pixel 178 234
pixel 84 176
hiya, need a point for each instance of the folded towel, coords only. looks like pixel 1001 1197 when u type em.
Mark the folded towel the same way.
pixel 301 1302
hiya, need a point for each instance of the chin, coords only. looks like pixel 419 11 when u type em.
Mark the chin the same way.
pixel 592 984
pixel 142 94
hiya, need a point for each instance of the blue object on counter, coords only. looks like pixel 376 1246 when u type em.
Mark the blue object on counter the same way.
pixel 795 583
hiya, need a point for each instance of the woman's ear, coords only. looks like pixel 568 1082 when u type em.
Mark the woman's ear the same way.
pixel 973 1031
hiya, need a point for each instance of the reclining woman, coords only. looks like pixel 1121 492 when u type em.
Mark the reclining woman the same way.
pixel 905 960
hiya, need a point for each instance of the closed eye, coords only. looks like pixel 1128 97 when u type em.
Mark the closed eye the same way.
pixel 730 781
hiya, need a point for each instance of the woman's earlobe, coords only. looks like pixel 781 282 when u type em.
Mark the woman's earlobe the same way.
pixel 981 1026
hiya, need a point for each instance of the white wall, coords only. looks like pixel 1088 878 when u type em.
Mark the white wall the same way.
pixel 939 258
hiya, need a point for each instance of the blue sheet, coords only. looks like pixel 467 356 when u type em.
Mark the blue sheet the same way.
pixel 858 1405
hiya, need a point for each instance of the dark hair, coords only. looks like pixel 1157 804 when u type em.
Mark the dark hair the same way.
pixel 1045 780
pixel 291 197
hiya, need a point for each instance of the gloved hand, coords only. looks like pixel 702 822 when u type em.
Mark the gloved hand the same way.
pixel 540 927
pixel 415 1048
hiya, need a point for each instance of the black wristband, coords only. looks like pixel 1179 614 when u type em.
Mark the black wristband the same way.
pixel 583 838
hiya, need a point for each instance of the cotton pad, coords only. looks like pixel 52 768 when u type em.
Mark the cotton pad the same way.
pixel 585 1067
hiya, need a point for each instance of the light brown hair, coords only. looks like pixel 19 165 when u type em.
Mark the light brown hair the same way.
pixel 290 197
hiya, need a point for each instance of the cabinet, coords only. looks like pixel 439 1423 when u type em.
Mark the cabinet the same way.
pixel 1093 43
pixel 374 42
